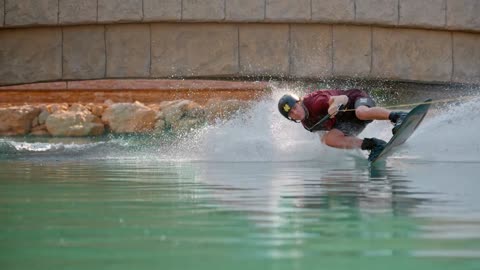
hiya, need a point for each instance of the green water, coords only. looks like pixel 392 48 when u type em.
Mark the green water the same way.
pixel 136 214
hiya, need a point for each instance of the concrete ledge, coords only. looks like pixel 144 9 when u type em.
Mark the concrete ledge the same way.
pixel 120 11
pixel 333 11
pixel 463 14
pixel 352 53
pixel 220 50
pixel 245 10
pixel 2 12
pixel 30 55
pixel 413 55
pixel 203 10
pixel 146 91
pixel 84 53
pixel 31 12
pixel 77 12
pixel 384 12
pixel 264 49
pixel 287 10
pixel 466 58
pixel 128 50
pixel 310 50
pixel 424 13
pixel 165 10
pixel 187 50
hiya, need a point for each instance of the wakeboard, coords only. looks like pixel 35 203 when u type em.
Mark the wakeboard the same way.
pixel 406 129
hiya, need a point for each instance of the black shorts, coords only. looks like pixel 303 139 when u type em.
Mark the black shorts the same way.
pixel 347 122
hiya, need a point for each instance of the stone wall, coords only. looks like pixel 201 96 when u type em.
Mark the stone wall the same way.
pixel 408 40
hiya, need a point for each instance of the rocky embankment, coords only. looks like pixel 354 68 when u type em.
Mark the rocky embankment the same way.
pixel 94 119
pixel 96 107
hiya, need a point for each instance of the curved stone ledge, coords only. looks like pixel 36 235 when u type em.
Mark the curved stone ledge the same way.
pixel 459 15
pixel 207 50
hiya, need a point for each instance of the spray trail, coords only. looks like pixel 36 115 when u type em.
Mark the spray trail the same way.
pixel 262 135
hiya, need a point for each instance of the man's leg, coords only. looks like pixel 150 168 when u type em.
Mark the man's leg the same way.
pixel 337 139
pixel 375 113
pixel 379 113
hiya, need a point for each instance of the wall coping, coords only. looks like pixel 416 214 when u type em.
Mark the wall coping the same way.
pixel 146 91
pixel 457 15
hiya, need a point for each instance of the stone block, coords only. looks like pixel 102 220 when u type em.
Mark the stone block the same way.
pixel 264 49
pixel 128 50
pixel 377 11
pixel 310 50
pixel 425 13
pixel 30 55
pixel 287 10
pixel 352 51
pixel 333 11
pixel 194 50
pixel 463 14
pixel 466 57
pixel 414 55
pixel 84 52
pixel 77 12
pixel 203 10
pixel 17 120
pixel 162 10
pixel 31 12
pixel 120 10
pixel 245 10
pixel 129 117
pixel 76 122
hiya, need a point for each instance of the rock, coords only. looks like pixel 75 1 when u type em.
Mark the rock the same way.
pixel 35 122
pixel 160 125
pixel 129 117
pixel 223 109
pixel 96 109
pixel 42 117
pixel 76 122
pixel 108 102
pixel 182 115
pixel 175 110
pixel 186 125
pixel 76 107
pixel 17 120
pixel 40 130
pixel 52 108
pixel 60 119
pixel 154 106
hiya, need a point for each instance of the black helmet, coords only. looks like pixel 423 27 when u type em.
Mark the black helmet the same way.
pixel 286 103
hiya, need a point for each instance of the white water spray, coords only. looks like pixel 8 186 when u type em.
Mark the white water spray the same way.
pixel 448 134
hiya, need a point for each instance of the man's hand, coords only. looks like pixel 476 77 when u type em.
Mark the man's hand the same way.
pixel 335 103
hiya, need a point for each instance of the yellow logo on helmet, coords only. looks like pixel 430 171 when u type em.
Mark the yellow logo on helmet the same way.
pixel 286 108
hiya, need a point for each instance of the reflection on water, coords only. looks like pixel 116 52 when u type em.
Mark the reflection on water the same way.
pixel 204 215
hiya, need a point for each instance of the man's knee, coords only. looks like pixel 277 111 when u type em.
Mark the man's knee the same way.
pixel 362 113
pixel 331 138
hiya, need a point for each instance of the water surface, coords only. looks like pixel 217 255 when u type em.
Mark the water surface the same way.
pixel 255 192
